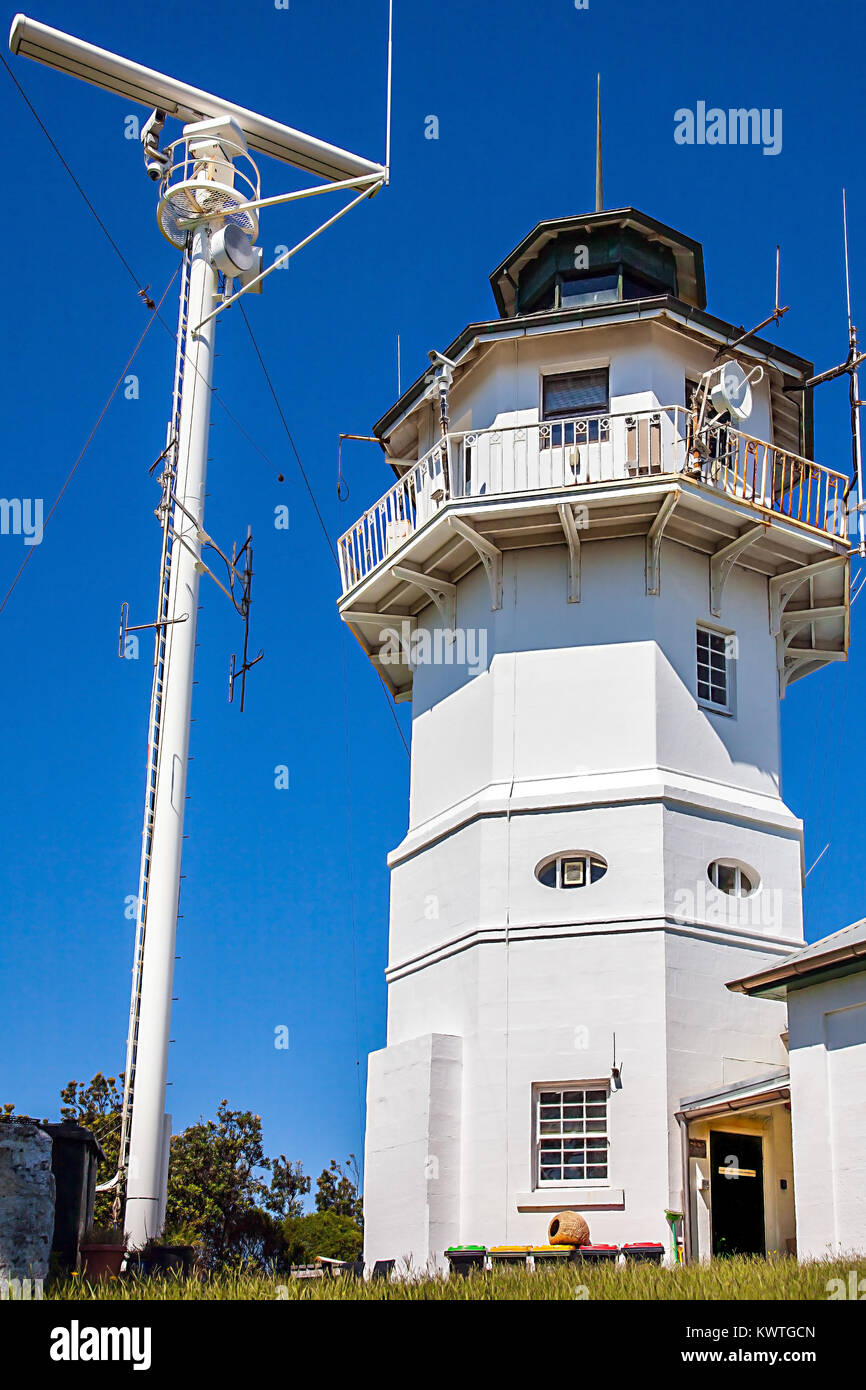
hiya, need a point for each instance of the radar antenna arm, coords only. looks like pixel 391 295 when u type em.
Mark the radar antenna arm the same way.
pixel 114 73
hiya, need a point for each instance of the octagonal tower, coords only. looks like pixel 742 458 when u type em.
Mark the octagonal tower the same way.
pixel 594 601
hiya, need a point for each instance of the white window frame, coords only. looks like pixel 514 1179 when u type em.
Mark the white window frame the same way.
pixel 577 1132
pixel 586 859
pixel 739 873
pixel 729 639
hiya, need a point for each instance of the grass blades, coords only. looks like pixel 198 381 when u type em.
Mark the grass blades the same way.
pixel 738 1278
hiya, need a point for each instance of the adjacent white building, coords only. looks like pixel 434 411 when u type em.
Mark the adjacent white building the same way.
pixel 824 986
pixel 594 610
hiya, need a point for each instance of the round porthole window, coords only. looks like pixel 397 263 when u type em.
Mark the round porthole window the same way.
pixel 732 877
pixel 575 870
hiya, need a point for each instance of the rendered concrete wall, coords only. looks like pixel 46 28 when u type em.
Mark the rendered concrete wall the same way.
pixel 556 1008
pixel 648 367
pixel 412 1155
pixel 827 1041
pixel 605 685
pixel 26 1202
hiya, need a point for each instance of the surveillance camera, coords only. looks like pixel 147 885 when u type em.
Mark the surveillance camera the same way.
pixel 440 359
pixel 152 128
pixel 155 168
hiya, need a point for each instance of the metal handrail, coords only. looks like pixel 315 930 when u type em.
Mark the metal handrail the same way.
pixel 228 186
pixel 540 455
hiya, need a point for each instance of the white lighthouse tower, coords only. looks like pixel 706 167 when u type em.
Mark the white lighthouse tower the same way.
pixel 607 553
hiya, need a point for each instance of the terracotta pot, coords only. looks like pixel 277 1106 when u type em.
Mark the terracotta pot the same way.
pixel 568 1228
pixel 102 1260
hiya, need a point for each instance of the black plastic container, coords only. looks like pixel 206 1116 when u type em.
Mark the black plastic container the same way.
pixel 466 1259
pixel 646 1252
pixel 598 1254
pixel 161 1259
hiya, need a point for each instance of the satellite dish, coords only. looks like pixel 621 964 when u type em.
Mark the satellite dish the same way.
pixel 732 390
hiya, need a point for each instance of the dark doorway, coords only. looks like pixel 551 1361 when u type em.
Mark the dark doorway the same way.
pixel 737 1193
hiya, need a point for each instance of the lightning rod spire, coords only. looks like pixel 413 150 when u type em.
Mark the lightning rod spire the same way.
pixel 599 198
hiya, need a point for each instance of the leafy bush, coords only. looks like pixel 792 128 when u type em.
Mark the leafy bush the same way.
pixel 326 1233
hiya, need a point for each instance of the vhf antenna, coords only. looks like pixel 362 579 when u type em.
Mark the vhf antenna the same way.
pixel 777 314
pixel 209 205
pixel 246 554
pixel 853 394
pixel 849 367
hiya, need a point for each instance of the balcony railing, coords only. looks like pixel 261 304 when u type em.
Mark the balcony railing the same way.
pixel 563 455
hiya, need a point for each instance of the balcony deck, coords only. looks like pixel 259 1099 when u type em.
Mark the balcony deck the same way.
pixel 568 482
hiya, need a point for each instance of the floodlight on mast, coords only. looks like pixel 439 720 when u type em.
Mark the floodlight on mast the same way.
pixel 209 205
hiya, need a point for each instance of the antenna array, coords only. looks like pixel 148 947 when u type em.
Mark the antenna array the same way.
pixel 210 211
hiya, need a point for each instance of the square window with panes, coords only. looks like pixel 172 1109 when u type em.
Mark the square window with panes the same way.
pixel 580 400
pixel 713 668
pixel 571 1134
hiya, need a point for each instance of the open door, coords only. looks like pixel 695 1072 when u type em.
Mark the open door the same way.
pixel 737 1193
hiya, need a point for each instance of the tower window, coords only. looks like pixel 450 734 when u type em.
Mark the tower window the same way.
pixel 571 870
pixel 715 653
pixel 589 289
pixel 635 287
pixel 568 394
pixel 576 395
pixel 571 1134
pixel 732 878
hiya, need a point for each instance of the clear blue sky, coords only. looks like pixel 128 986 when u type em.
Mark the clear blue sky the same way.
pixel 267 935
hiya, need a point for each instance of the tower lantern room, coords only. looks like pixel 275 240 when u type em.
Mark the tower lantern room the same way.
pixel 596 570
pixel 605 258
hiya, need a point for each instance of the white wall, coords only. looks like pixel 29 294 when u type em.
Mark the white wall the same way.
pixel 827 1040
pixel 648 366
pixel 604 685
pixel 412 1151
pixel 535 1008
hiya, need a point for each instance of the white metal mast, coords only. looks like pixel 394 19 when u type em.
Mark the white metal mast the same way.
pixel 154 742
pixel 163 829
pixel 211 212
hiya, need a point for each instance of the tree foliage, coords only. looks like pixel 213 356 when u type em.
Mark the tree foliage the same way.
pixel 321 1233
pixel 97 1106
pixel 216 1188
pixel 289 1185
pixel 337 1190
pixel 224 1194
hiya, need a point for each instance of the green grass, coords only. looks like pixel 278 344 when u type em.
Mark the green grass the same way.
pixel 735 1278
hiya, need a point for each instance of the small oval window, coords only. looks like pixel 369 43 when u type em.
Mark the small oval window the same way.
pixel 732 877
pixel 571 870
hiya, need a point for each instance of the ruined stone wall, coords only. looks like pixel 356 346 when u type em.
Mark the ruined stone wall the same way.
pixel 26 1201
